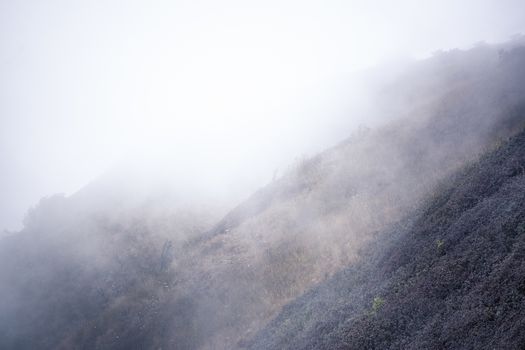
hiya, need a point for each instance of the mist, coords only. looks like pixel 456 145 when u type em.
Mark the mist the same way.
pixel 217 97
pixel 196 175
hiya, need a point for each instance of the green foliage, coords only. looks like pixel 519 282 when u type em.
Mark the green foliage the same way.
pixel 377 304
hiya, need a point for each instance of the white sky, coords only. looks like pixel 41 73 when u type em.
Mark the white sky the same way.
pixel 219 92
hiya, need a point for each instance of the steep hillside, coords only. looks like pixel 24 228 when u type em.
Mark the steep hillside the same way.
pixel 451 278
pixel 102 274
pixel 78 267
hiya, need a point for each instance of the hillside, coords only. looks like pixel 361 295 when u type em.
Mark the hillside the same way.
pixel 452 277
pixel 92 272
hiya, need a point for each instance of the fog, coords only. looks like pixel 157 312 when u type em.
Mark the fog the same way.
pixel 215 96
pixel 220 161
pixel 124 263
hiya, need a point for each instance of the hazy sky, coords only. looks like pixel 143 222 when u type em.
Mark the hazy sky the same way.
pixel 222 91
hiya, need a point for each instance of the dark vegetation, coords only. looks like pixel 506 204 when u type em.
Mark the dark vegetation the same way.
pixel 93 271
pixel 451 278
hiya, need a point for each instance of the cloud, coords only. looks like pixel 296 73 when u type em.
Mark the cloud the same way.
pixel 217 88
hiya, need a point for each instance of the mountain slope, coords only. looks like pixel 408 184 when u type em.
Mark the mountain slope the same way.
pixel 91 273
pixel 452 278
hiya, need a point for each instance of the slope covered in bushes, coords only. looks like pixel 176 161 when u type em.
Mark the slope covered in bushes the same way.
pixel 452 277
pixel 92 271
